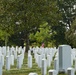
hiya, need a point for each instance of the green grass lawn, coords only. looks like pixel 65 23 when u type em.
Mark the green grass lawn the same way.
pixel 25 70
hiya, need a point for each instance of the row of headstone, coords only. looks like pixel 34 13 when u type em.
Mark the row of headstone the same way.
pixel 63 59
pixel 40 60
pixel 11 50
pixel 70 71
pixel 42 53
pixel 8 56
pixel 43 57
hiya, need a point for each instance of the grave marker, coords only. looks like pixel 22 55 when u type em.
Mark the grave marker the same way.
pixel 0 68
pixel 33 74
pixel 29 61
pixel 44 67
pixel 70 71
pixel 7 63
pixel 19 62
pixel 52 72
pixel 64 57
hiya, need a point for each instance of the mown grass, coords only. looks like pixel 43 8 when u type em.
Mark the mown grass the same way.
pixel 25 70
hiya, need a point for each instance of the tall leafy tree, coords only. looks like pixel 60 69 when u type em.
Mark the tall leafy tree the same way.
pixel 6 26
pixel 68 12
pixel 41 36
pixel 71 34
pixel 67 8
pixel 25 16
pixel 58 34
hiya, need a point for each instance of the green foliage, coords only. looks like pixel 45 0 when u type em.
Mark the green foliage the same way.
pixel 2 35
pixel 27 14
pixel 68 11
pixel 58 34
pixel 66 8
pixel 16 39
pixel 26 17
pixel 71 34
pixel 43 35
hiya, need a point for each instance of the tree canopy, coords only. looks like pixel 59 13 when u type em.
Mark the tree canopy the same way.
pixel 25 16
pixel 71 34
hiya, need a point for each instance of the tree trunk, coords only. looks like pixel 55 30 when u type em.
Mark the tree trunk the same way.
pixel 22 43
pixel 27 42
pixel 6 40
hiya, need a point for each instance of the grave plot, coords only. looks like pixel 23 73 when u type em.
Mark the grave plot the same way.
pixel 24 64
pixel 38 61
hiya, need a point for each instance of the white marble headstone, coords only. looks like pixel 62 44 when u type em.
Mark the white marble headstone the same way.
pixel 33 74
pixel 0 68
pixel 30 61
pixel 64 57
pixel 52 72
pixel 44 67
pixel 19 65
pixel 70 71
pixel 7 62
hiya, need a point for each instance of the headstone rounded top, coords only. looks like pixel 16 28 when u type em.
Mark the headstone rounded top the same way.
pixel 70 68
pixel 33 74
pixel 18 55
pixel 51 70
pixel 56 58
pixel 7 56
pixel 43 59
pixel 64 45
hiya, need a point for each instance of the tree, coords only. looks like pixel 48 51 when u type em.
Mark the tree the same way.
pixel 26 16
pixel 67 8
pixel 71 34
pixel 58 34
pixel 16 39
pixel 41 36
pixel 6 26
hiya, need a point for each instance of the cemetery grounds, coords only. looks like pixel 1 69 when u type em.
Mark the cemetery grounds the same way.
pixel 25 70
